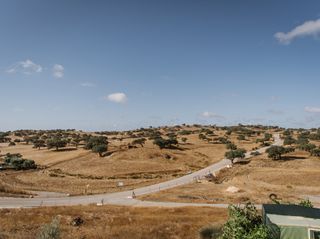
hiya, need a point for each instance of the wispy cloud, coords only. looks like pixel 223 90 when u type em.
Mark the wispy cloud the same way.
pixel 207 114
pixel 27 67
pixel 276 112
pixel 87 84
pixel 117 98
pixel 308 28
pixel 58 71
pixel 310 109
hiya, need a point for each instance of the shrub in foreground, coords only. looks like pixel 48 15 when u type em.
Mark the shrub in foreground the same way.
pixel 51 230
pixel 244 223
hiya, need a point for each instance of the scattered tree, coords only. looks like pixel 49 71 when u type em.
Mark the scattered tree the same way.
pixel 233 154
pixel 202 137
pixel 18 163
pixel 76 141
pixel 241 137
pixel 289 140
pixel 39 143
pixel 165 143
pixel 98 144
pixel 140 141
pixel 276 152
pixel 307 147
pixel 231 146
pixel 315 152
pixel 267 137
pixel 57 143
pixel 184 139
pixel 92 141
pixel 11 144
pixel 100 149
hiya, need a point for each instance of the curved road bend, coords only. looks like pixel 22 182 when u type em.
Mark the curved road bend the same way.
pixel 125 198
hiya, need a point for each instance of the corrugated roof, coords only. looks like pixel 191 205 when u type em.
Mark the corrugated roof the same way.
pixel 291 210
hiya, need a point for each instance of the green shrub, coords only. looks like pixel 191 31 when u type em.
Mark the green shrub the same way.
pixel 306 203
pixel 231 146
pixel 315 152
pixel 12 144
pixel 244 223
pixel 185 132
pixel 18 163
pixel 140 141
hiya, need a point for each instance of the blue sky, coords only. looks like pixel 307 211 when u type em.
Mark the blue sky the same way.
pixel 105 65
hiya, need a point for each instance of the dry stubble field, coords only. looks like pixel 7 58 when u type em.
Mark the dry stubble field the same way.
pixel 112 222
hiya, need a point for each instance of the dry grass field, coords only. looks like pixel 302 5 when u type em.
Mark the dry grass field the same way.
pixel 79 171
pixel 112 222
pixel 291 179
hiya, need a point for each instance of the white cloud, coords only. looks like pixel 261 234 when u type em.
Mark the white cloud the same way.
pixel 58 71
pixel 207 114
pixel 308 28
pixel 26 67
pixel 312 109
pixel 87 84
pixel 117 98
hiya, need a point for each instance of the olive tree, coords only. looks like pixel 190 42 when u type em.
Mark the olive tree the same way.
pixel 140 141
pixel 100 149
pixel 39 143
pixel 233 154
pixel 57 143
pixel 276 152
pixel 165 143
pixel 98 144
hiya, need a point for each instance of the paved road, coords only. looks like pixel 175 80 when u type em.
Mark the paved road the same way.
pixel 125 198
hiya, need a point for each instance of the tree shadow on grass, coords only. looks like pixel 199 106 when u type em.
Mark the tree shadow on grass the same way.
pixel 289 158
pixel 65 149
pixel 176 148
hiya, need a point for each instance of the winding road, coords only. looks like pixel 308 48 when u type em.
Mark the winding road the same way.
pixel 125 198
